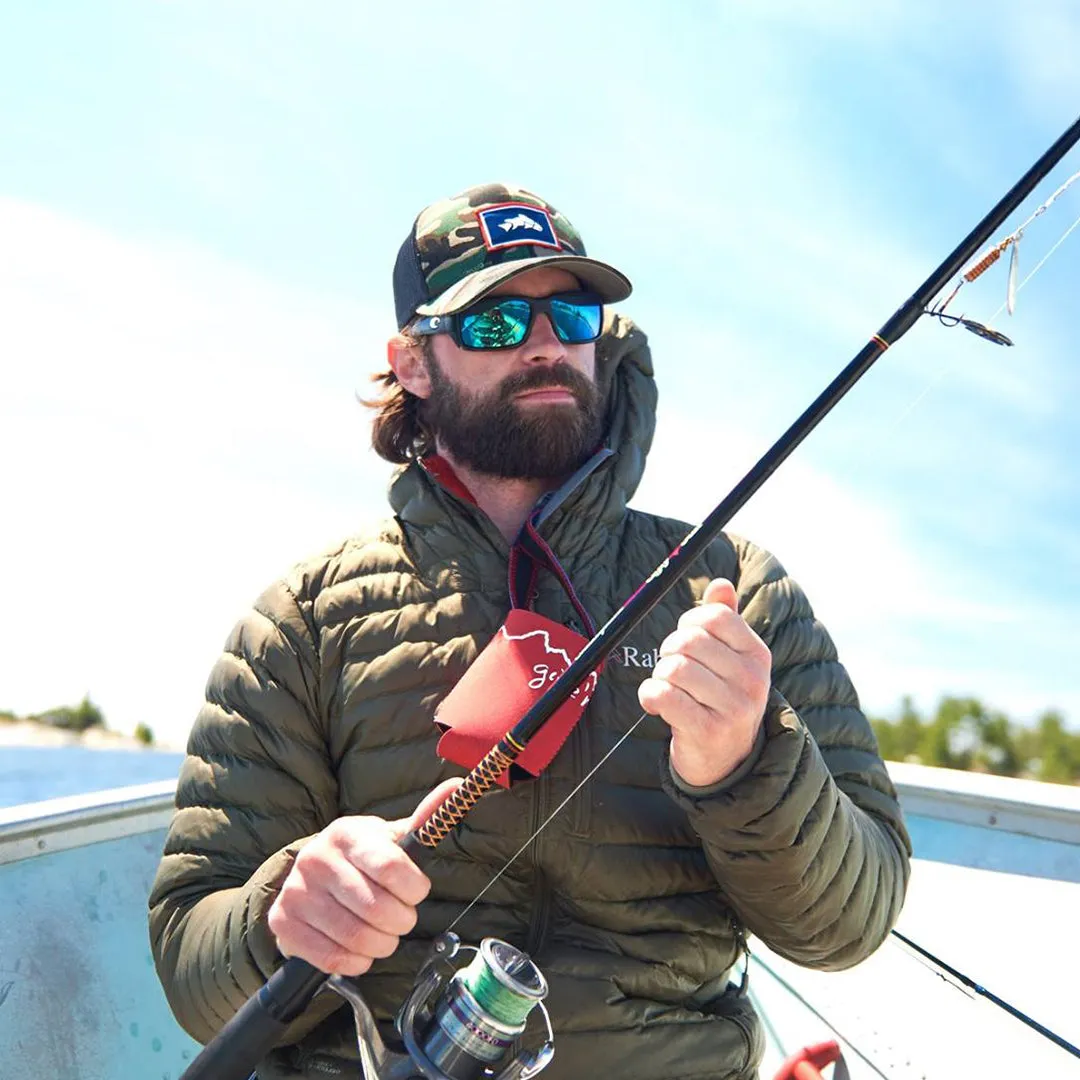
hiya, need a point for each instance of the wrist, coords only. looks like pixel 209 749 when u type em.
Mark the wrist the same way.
pixel 699 773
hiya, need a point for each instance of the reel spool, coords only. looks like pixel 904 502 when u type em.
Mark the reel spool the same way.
pixel 459 1023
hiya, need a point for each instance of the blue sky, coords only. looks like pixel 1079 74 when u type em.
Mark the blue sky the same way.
pixel 199 209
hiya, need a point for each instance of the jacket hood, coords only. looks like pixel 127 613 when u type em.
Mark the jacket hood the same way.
pixel 625 370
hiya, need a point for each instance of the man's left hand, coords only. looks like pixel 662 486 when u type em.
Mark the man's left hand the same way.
pixel 710 686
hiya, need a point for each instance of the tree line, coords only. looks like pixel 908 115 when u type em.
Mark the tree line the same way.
pixel 964 733
pixel 76 718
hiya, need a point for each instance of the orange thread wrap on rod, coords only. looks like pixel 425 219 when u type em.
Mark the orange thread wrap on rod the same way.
pixel 484 776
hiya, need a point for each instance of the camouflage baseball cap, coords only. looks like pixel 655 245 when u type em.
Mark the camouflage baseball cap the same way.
pixel 461 248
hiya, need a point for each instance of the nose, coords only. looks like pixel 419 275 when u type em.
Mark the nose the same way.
pixel 543 345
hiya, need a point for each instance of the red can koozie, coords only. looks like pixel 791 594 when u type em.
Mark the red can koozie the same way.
pixel 526 655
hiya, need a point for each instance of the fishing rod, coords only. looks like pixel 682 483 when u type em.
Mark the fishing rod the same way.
pixel 260 1023
pixel 937 964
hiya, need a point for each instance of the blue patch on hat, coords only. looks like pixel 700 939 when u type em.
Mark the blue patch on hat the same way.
pixel 514 224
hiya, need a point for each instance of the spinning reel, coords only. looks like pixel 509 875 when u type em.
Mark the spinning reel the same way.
pixel 458 1023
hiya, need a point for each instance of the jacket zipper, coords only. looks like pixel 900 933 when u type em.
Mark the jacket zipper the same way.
pixel 538 923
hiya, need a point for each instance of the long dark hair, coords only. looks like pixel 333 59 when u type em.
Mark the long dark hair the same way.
pixel 398 432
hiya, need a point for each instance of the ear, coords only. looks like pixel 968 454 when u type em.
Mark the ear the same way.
pixel 406 361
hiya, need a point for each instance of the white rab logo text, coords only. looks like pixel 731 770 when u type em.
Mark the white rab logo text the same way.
pixel 520 221
pixel 631 656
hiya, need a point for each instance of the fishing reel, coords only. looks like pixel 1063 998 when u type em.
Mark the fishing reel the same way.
pixel 459 1022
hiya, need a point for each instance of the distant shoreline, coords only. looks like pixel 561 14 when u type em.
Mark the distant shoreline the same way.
pixel 29 733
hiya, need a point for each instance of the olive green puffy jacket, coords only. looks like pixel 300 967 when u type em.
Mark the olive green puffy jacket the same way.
pixel 635 899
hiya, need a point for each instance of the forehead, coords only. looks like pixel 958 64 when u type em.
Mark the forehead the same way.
pixel 542 281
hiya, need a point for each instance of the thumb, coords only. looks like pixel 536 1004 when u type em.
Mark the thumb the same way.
pixel 721 591
pixel 428 805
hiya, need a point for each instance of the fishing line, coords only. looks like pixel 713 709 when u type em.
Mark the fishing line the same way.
pixel 547 821
pixel 849 1044
pixel 981 265
pixel 953 360
pixel 1038 266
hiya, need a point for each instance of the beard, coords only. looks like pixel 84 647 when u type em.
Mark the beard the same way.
pixel 493 434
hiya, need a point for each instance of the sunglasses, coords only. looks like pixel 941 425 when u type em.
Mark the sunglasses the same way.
pixel 503 322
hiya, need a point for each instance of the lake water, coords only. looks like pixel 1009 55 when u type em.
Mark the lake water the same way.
pixel 33 773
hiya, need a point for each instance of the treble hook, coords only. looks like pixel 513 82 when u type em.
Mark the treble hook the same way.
pixel 983 331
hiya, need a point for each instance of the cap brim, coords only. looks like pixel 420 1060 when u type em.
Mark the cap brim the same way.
pixel 598 277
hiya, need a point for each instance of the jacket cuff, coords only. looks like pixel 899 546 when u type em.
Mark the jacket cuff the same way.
pixel 262 890
pixel 746 801
pixel 732 777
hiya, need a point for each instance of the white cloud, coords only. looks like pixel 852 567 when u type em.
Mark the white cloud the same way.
pixel 176 432
pixel 169 403
pixel 907 618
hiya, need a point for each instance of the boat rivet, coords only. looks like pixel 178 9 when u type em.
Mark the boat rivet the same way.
pixel 41 845
pixel 993 819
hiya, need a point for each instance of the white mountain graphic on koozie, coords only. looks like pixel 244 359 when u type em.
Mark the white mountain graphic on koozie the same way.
pixel 544 674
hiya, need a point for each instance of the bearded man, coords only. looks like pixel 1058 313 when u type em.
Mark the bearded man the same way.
pixel 751 800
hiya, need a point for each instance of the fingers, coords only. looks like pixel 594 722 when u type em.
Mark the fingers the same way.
pixel 679 708
pixel 355 899
pixel 428 805
pixel 718 615
pixel 720 591
pixel 352 892
pixel 316 948
pixel 341 916
pixel 332 937
pixel 379 859
pixel 712 663
pixel 722 685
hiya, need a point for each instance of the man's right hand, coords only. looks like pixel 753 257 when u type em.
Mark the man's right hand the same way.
pixel 352 892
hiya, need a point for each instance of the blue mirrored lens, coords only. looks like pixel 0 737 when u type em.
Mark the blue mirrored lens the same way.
pixel 499 327
pixel 576 323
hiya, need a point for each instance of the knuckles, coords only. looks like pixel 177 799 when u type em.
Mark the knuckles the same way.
pixel 383 887
pixel 342 963
pixel 692 637
pixel 383 864
pixel 673 667
pixel 316 864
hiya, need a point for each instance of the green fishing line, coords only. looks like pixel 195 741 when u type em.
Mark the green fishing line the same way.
pixel 494 995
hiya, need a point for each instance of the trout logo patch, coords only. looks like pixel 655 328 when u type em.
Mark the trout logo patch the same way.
pixel 515 224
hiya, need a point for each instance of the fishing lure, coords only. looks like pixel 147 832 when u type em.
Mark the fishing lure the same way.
pixel 981 265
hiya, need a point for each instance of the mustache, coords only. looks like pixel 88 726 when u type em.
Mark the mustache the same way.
pixel 558 376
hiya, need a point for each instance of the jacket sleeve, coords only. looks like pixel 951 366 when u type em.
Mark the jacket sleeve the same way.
pixel 256 783
pixel 806 840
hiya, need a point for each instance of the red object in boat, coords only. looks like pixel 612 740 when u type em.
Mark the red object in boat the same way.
pixel 809 1061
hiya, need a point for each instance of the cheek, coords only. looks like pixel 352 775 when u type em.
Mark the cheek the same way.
pixel 583 357
pixel 482 381
pixel 464 369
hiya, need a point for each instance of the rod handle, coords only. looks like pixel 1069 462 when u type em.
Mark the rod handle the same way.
pixel 258 1025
